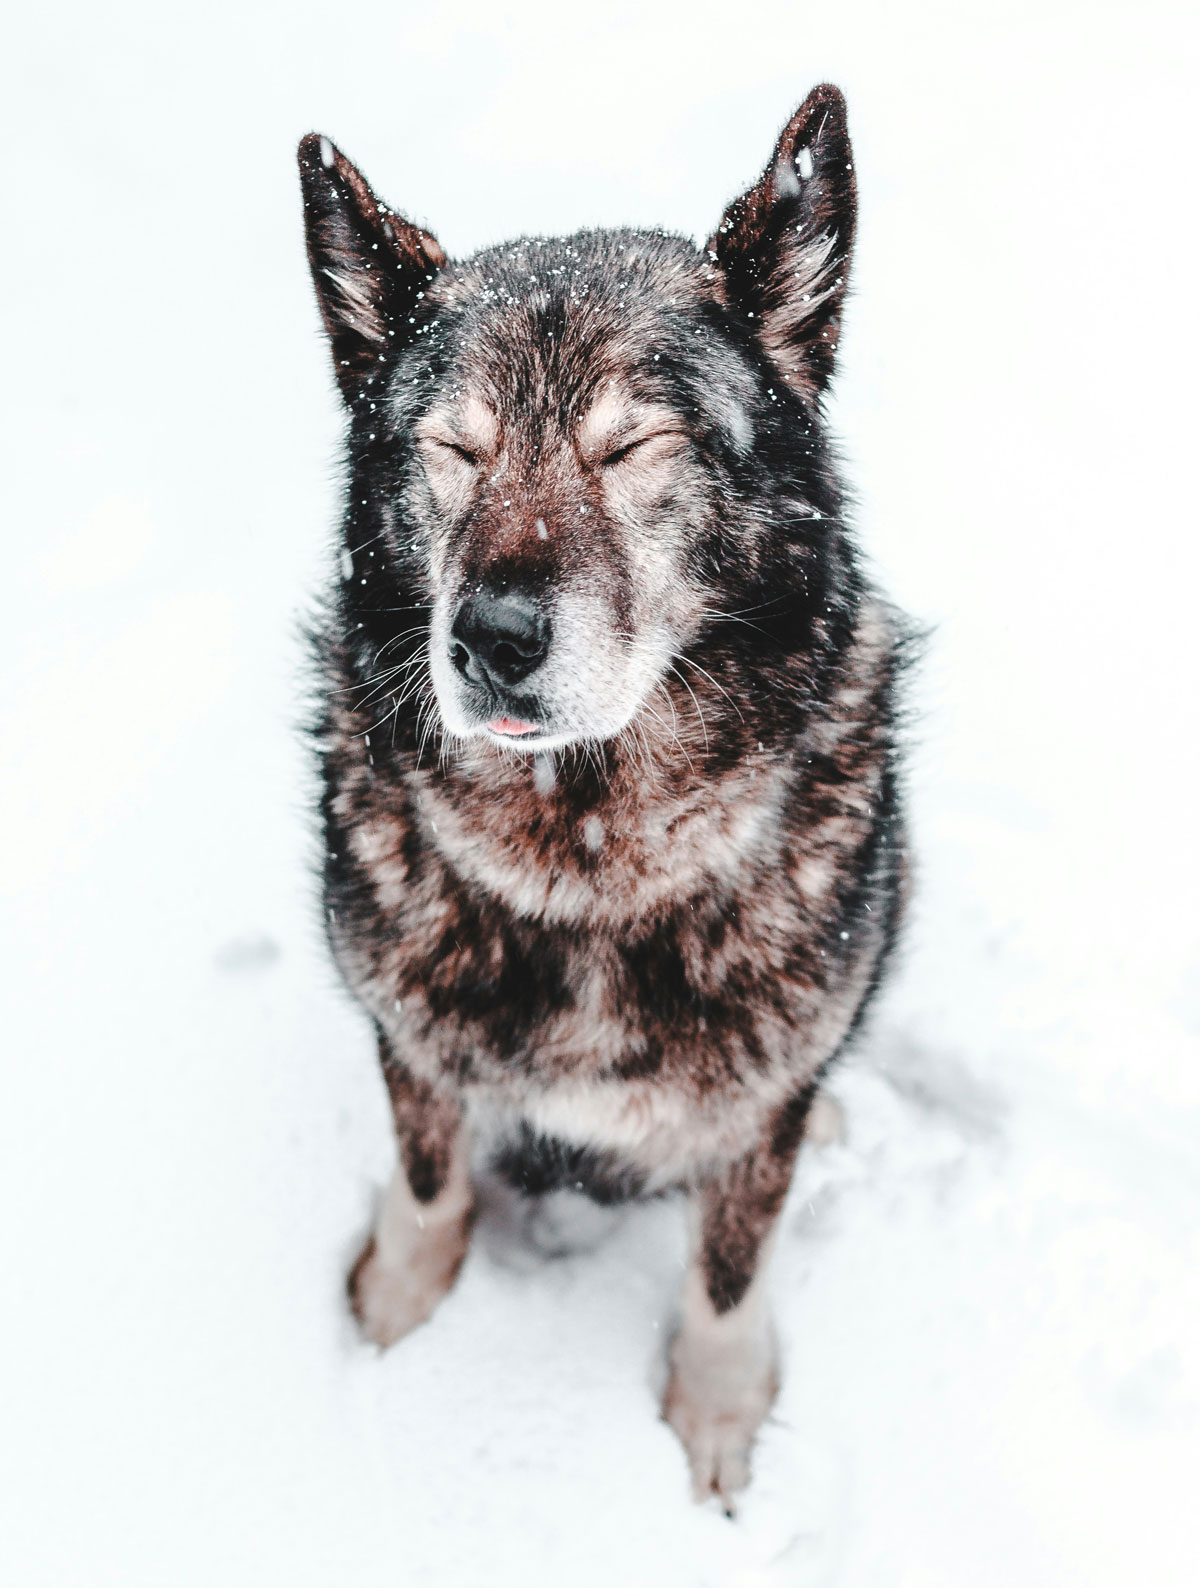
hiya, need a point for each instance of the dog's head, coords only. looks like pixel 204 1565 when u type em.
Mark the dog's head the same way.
pixel 562 450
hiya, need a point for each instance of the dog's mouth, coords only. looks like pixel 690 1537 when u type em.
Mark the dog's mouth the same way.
pixel 526 735
pixel 521 722
pixel 520 730
pixel 514 728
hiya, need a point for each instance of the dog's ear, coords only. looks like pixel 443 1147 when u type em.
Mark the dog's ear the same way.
pixel 368 263
pixel 783 248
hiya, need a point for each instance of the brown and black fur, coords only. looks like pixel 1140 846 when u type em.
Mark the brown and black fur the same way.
pixel 624 961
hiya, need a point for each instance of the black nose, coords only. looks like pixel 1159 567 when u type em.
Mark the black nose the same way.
pixel 499 636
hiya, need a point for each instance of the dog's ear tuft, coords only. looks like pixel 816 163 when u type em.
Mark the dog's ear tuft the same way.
pixel 368 263
pixel 783 248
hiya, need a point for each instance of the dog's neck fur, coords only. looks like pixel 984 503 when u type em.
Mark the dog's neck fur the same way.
pixel 606 854
pixel 683 811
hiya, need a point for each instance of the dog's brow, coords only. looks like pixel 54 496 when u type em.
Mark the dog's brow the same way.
pixel 469 422
pixel 614 417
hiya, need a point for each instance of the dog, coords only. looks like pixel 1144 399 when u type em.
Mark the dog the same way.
pixel 608 733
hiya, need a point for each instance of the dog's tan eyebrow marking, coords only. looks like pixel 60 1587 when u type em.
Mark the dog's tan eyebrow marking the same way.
pixel 617 420
pixel 470 425
pixel 611 412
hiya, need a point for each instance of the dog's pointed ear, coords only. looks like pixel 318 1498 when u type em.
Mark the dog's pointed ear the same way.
pixel 368 263
pixel 783 248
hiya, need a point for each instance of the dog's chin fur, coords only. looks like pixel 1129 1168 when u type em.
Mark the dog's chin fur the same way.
pixel 456 727
pixel 592 732
pixel 618 954
pixel 548 743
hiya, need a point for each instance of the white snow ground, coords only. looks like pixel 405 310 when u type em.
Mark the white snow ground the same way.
pixel 988 1295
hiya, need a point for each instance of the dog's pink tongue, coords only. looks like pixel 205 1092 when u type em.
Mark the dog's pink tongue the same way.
pixel 511 725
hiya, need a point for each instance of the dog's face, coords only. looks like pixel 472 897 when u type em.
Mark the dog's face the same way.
pixel 555 445
pixel 559 484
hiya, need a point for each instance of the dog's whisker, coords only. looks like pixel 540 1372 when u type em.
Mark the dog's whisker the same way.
pixel 391 716
pixel 675 734
pixel 695 702
pixel 428 712
pixel 405 672
pixel 373 611
pixel 688 661
pixel 417 628
pixel 366 683
pixel 384 688
pixel 363 544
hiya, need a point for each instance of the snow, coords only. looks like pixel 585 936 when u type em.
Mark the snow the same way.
pixel 987 1293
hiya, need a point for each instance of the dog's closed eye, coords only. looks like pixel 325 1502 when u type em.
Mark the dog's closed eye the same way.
pixel 455 443
pixel 457 450
pixel 451 467
pixel 441 449
pixel 662 444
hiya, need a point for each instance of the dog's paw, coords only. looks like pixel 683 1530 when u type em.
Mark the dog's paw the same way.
pixel 391 1297
pixel 717 1415
pixel 388 1302
pixel 413 1257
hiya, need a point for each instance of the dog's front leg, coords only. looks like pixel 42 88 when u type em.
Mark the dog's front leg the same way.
pixel 423 1224
pixel 724 1359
